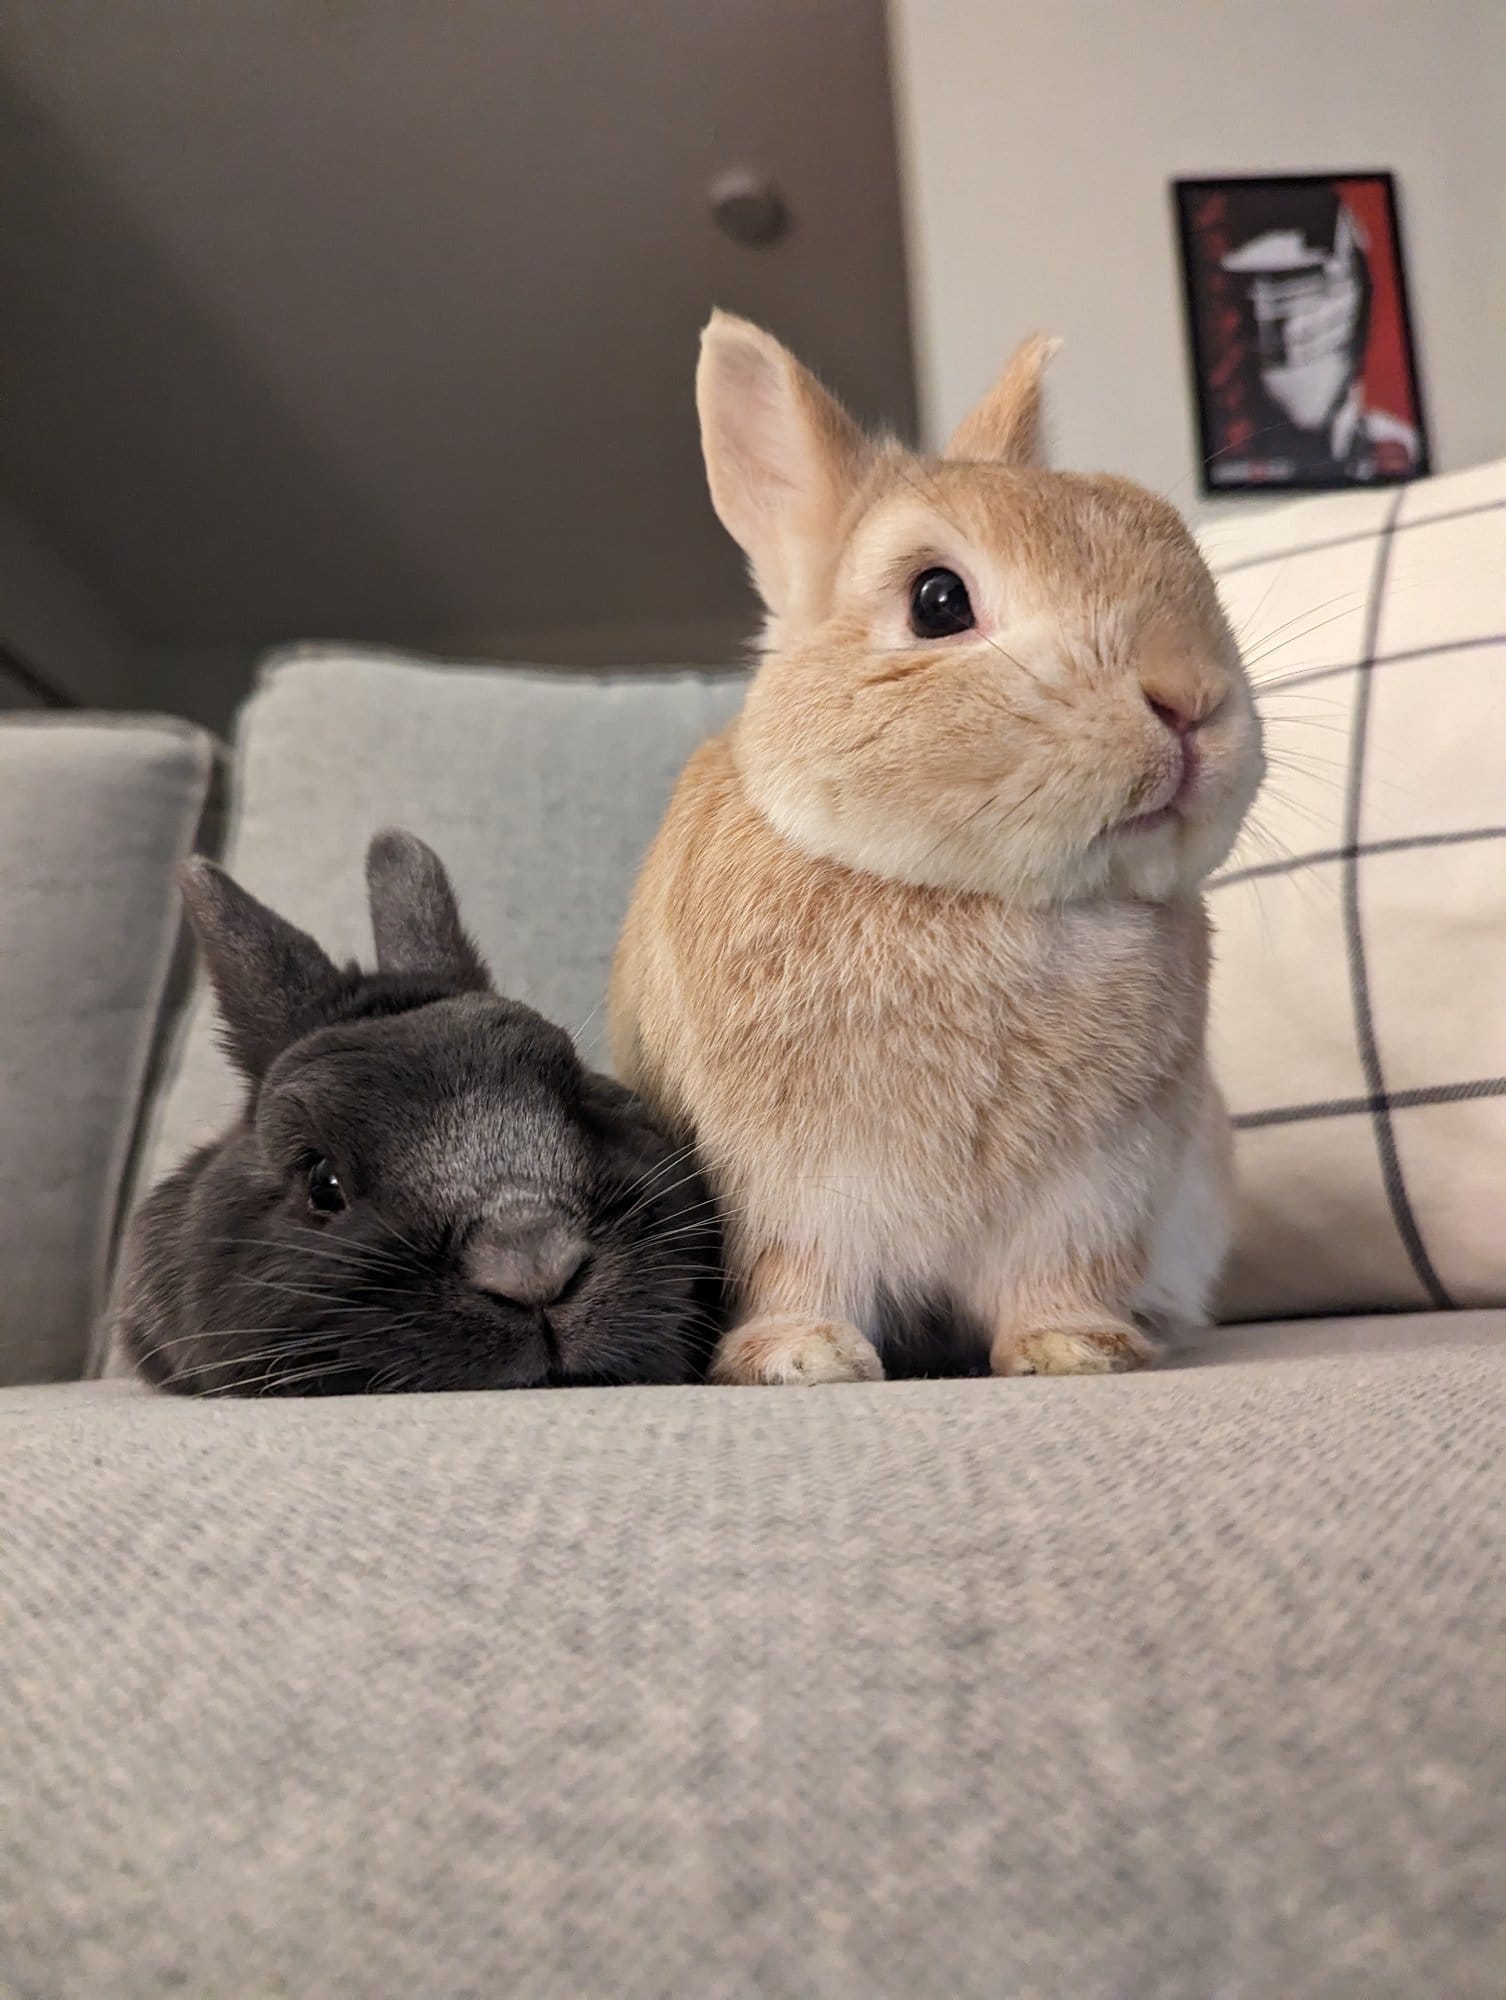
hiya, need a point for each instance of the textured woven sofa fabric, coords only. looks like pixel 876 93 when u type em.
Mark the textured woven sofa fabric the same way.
pixel 94 813
pixel 1170 1686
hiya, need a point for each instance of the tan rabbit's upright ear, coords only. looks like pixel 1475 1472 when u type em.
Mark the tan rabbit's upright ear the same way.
pixel 1005 428
pixel 782 456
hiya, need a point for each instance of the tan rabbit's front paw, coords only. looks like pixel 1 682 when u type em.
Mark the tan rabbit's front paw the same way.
pixel 1102 1347
pixel 775 1348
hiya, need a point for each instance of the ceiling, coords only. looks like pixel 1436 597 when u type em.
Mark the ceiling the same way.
pixel 377 318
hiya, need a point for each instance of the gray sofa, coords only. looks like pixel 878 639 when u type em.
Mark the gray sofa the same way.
pixel 1156 1688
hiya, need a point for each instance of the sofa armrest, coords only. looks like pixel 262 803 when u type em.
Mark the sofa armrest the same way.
pixel 95 812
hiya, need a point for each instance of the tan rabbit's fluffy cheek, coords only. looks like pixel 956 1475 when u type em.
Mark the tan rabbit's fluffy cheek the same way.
pixel 953 768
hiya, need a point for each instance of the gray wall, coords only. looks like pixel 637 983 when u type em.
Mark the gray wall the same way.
pixel 377 318
pixel 52 621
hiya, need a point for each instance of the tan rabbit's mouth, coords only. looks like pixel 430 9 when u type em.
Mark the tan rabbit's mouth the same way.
pixel 1177 791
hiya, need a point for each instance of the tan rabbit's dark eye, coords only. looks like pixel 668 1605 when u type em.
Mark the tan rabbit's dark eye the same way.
pixel 326 1196
pixel 939 605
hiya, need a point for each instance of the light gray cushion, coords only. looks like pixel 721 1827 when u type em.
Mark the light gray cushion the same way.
pixel 540 790
pixel 1181 1685
pixel 94 813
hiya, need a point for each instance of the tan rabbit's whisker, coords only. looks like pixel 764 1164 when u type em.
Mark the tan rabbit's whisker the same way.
pixel 1253 648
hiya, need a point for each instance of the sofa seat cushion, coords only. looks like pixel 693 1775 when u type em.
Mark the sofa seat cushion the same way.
pixel 1181 1684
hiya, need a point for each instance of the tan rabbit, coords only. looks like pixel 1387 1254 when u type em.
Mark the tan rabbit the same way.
pixel 919 955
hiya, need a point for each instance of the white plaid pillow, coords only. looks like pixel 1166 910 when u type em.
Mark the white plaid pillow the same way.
pixel 1359 1010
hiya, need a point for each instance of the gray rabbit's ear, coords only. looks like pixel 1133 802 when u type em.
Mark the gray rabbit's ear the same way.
pixel 271 980
pixel 414 916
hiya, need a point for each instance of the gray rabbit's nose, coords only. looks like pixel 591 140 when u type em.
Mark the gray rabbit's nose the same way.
pixel 525 1252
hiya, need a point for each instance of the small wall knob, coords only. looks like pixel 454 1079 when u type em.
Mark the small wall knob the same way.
pixel 748 208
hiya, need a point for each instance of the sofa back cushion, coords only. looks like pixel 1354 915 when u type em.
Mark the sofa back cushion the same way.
pixel 541 791
pixel 95 811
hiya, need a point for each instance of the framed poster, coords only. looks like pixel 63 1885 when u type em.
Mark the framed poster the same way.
pixel 1302 358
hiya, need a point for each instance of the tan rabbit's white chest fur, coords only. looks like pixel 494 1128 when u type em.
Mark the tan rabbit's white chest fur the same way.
pixel 936 1027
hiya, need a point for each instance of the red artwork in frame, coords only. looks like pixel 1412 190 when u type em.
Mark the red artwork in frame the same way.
pixel 1303 361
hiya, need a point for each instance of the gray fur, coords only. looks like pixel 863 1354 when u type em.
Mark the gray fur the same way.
pixel 483 1165
pixel 414 916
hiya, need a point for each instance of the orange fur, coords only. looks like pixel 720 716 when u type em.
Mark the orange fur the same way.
pixel 936 1024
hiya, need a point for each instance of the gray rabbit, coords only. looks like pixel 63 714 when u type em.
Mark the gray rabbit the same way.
pixel 426 1188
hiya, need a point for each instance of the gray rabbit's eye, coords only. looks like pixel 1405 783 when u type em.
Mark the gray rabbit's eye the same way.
pixel 326 1196
pixel 939 605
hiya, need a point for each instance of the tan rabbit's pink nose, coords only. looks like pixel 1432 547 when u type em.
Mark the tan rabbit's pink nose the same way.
pixel 525 1252
pixel 1182 701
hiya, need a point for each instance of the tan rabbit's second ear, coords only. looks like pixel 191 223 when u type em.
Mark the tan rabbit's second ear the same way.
pixel 1005 428
pixel 782 456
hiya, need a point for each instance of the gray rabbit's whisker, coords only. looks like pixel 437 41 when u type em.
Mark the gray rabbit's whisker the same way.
pixel 677 1261
pixel 349 1255
pixel 657 1194
pixel 272 1379
pixel 670 1161
pixel 242 1360
pixel 687 1232
pixel 330 1298
pixel 293 1291
pixel 381 1322
pixel 393 1231
pixel 686 1274
pixel 239 1386
pixel 692 1232
pixel 687 1180
pixel 222 1333
pixel 706 1210
pixel 647 1182
pixel 335 1351
pixel 578 1032
pixel 695 1207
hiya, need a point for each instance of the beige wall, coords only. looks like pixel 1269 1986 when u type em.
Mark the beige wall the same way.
pixel 1037 141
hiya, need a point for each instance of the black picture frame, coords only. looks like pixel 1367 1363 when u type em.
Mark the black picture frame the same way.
pixel 1309 255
